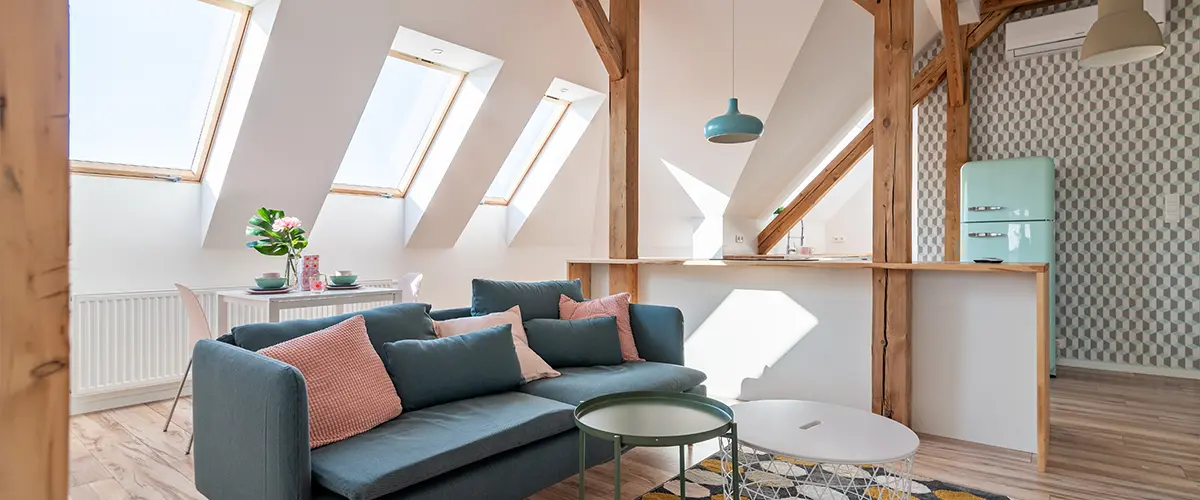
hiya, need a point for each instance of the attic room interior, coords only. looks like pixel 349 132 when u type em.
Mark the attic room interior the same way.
pixel 552 249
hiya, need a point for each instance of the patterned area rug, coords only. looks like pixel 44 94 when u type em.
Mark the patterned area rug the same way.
pixel 786 478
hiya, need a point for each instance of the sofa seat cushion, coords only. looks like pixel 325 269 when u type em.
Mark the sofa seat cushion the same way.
pixel 422 444
pixel 580 384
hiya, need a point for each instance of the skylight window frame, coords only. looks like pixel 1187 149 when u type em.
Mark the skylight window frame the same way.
pixel 564 106
pixel 431 134
pixel 212 118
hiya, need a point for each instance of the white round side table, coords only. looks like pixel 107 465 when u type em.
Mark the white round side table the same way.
pixel 820 451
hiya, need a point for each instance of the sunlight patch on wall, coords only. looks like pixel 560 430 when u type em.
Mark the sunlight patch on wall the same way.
pixel 749 331
pixel 708 237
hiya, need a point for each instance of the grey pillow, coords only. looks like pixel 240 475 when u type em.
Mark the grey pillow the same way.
pixel 538 299
pixel 431 372
pixel 565 343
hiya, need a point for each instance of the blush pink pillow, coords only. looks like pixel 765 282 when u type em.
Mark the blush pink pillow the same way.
pixel 533 367
pixel 613 305
pixel 349 391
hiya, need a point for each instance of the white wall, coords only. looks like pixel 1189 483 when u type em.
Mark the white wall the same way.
pixel 131 235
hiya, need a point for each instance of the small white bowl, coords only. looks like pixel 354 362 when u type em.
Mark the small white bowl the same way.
pixel 345 273
pixel 269 275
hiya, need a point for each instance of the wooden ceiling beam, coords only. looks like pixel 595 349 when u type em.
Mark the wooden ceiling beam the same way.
pixel 987 6
pixel 867 5
pixel 956 53
pixel 958 116
pixel 923 83
pixel 603 37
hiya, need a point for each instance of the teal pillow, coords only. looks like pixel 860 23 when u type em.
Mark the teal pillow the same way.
pixel 538 299
pixel 431 372
pixel 384 324
pixel 564 343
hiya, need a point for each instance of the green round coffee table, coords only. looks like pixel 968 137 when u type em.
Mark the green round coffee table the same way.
pixel 657 419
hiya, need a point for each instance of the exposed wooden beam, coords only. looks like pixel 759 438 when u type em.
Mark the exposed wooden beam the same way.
pixel 987 6
pixel 623 136
pixel 623 278
pixel 34 228
pixel 812 194
pixel 891 359
pixel 925 81
pixel 582 272
pixel 958 116
pixel 953 45
pixel 603 37
pixel 868 5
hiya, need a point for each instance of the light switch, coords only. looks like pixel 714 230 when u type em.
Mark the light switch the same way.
pixel 1172 212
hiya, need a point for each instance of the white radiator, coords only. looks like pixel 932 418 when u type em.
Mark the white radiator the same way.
pixel 122 341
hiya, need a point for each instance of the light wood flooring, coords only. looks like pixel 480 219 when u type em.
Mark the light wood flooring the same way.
pixel 1113 436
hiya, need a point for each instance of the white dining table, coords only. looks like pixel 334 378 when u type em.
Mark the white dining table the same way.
pixel 274 303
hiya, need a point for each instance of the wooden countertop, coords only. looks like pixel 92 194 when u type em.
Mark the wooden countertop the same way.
pixel 1007 267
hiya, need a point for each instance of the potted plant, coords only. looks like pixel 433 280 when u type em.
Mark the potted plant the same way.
pixel 281 235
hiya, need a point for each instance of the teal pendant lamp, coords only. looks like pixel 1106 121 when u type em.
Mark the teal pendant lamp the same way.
pixel 733 127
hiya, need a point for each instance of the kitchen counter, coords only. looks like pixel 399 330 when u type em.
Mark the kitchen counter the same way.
pixel 1006 267
pixel 800 329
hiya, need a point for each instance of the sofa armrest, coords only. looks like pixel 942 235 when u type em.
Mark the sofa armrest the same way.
pixel 250 418
pixel 658 332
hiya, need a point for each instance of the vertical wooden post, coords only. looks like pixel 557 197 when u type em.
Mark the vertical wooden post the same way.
pixel 582 272
pixel 892 232
pixel 34 382
pixel 624 16
pixel 958 116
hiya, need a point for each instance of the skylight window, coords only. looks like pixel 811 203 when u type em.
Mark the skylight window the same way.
pixel 148 79
pixel 528 148
pixel 401 121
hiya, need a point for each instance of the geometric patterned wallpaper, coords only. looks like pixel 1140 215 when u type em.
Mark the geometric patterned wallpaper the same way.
pixel 1128 283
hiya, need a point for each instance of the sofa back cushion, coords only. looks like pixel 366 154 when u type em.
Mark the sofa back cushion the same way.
pixel 532 366
pixel 348 389
pixel 579 342
pixel 431 372
pixel 538 299
pixel 384 324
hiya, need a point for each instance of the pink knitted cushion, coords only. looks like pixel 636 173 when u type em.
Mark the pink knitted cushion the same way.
pixel 349 391
pixel 613 305
pixel 533 367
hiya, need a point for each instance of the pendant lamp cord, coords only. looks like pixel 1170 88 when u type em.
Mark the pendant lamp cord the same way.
pixel 733 49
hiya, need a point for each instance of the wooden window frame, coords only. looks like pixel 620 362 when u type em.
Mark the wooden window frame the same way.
pixel 537 152
pixel 212 118
pixel 431 134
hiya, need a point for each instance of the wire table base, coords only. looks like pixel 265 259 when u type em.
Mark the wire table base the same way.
pixel 767 476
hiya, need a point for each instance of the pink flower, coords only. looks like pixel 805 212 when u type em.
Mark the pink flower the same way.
pixel 285 223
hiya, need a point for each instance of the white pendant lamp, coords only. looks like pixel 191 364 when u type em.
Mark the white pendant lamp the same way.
pixel 1123 34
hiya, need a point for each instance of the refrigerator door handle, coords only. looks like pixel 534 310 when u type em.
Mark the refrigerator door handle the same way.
pixel 985 208
pixel 985 235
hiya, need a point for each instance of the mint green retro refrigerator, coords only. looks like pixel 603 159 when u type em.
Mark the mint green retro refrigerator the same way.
pixel 1008 213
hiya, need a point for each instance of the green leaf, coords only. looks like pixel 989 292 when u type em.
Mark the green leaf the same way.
pixel 265 214
pixel 259 222
pixel 300 245
pixel 254 231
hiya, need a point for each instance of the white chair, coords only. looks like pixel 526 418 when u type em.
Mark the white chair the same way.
pixel 411 284
pixel 197 329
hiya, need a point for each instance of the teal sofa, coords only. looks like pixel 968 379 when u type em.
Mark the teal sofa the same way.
pixel 250 418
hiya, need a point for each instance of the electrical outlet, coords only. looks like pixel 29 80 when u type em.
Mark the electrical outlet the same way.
pixel 839 239
pixel 739 239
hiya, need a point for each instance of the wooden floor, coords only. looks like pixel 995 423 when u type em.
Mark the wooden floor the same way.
pixel 1113 436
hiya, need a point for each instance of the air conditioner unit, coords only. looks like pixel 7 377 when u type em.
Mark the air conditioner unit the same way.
pixel 1062 32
